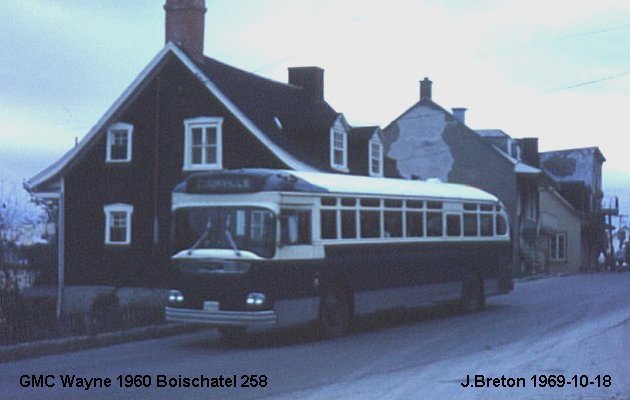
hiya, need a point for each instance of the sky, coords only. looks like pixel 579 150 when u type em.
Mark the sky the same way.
pixel 557 70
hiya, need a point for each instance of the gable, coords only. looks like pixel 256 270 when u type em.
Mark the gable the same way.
pixel 415 140
pixel 49 178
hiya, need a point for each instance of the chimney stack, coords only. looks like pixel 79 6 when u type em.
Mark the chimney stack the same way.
pixel 309 78
pixel 530 154
pixel 185 25
pixel 425 89
pixel 460 114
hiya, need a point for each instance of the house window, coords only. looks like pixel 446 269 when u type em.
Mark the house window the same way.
pixel 338 149
pixel 558 247
pixel 119 143
pixel 118 223
pixel 376 158
pixel 514 149
pixel 203 143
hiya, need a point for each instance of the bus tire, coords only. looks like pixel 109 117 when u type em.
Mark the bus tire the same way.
pixel 473 296
pixel 232 334
pixel 336 311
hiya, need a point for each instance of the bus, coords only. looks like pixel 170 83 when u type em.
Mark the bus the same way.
pixel 259 247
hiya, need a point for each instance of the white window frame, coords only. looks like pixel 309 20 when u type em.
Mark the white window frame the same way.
pixel 554 251
pixel 109 210
pixel 202 122
pixel 344 149
pixel 514 149
pixel 380 157
pixel 119 126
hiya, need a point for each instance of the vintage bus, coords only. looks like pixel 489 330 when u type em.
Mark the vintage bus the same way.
pixel 270 247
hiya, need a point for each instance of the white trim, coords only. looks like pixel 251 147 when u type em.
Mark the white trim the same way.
pixel 119 126
pixel 169 48
pixel 109 209
pixel 519 167
pixel 557 247
pixel 61 247
pixel 378 173
pixel 344 149
pixel 449 207
pixel 47 195
pixel 203 123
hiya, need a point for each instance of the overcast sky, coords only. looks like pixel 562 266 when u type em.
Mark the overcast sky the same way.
pixel 557 70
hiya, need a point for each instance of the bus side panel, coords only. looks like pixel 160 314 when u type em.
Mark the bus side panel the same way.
pixel 381 276
pixel 390 275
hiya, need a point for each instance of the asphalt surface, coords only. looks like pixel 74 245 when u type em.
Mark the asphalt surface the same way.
pixel 400 346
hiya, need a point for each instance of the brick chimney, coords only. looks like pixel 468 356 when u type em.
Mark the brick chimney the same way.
pixel 425 89
pixel 185 25
pixel 529 151
pixel 309 78
pixel 460 114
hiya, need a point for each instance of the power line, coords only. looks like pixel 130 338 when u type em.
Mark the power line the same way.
pixel 592 82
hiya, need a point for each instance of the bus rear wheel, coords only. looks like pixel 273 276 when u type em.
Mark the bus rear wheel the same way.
pixel 473 297
pixel 335 313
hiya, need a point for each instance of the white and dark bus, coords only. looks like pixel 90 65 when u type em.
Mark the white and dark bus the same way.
pixel 256 247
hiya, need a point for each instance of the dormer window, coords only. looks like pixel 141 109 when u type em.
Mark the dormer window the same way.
pixel 514 149
pixel 339 149
pixel 376 158
pixel 119 143
pixel 203 143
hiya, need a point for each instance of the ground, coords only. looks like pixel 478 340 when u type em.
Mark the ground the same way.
pixel 575 325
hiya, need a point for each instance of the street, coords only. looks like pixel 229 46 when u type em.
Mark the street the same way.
pixel 561 326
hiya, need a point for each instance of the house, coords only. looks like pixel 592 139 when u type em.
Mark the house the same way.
pixel 185 113
pixel 427 141
pixel 560 241
pixel 578 173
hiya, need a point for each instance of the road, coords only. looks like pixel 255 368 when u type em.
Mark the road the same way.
pixel 575 325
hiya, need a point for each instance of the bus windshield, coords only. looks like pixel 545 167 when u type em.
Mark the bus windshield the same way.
pixel 235 228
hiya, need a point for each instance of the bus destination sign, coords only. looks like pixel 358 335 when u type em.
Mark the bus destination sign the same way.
pixel 224 184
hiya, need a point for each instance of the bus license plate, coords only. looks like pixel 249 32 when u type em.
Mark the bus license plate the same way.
pixel 211 306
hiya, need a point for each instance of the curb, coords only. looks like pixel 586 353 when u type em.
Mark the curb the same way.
pixel 55 346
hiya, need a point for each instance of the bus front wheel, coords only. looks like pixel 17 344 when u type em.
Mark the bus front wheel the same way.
pixel 473 296
pixel 335 312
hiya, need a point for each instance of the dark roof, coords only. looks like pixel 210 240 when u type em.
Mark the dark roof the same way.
pixel 282 111
pixel 363 132
pixel 303 134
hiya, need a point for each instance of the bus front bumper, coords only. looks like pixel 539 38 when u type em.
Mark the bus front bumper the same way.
pixel 221 318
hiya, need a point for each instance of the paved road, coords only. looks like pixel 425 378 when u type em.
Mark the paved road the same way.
pixel 567 325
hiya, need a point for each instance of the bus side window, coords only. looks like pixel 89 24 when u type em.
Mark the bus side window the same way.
pixel 486 224
pixel 453 225
pixel 328 224
pixel 470 224
pixel 393 224
pixel 295 227
pixel 434 224
pixel 370 224
pixel 415 222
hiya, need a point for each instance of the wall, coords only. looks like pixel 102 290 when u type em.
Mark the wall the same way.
pixel 157 114
pixel 567 221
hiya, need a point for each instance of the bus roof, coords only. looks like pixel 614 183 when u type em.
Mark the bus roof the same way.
pixel 353 184
pixel 259 180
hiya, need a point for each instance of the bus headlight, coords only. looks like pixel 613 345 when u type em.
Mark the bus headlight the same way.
pixel 175 296
pixel 255 299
